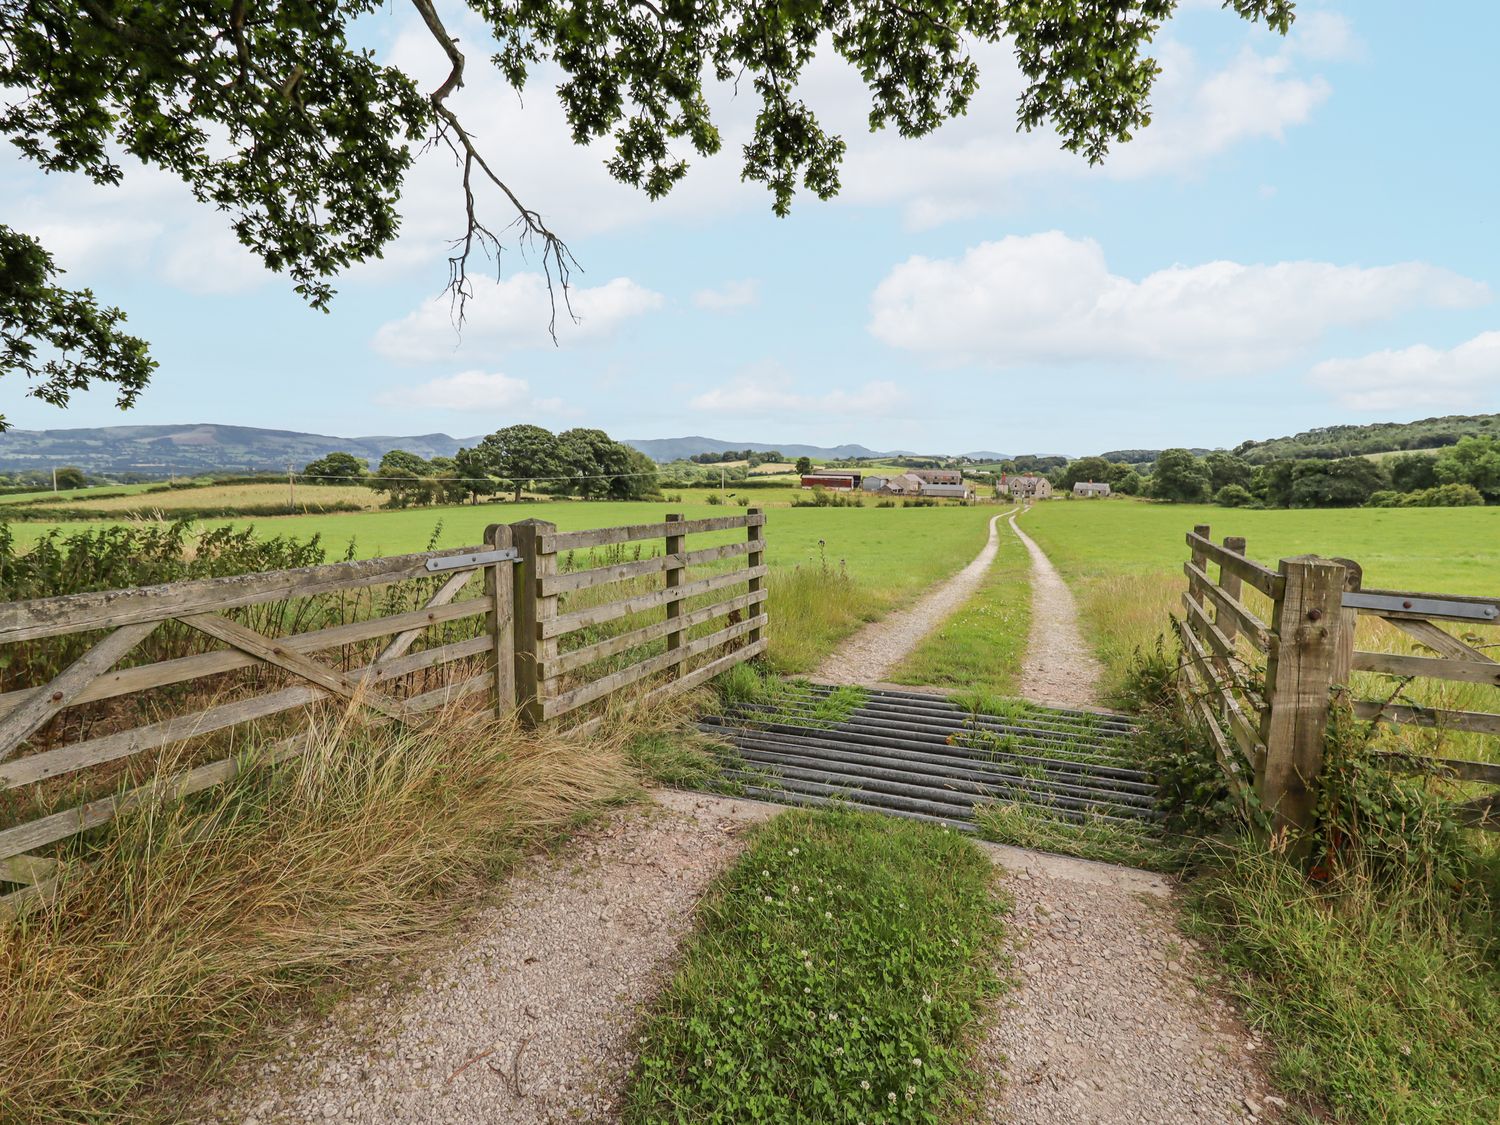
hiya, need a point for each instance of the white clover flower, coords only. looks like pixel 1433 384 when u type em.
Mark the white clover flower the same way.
pixel 864 1084
pixel 765 874
pixel 891 1097
pixel 795 888
pixel 916 1062
pixel 828 915
pixel 770 899
pixel 804 954
pixel 807 991
pixel 926 999
pixel 796 850
pixel 807 964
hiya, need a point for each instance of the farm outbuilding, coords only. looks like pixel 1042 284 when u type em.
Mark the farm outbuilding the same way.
pixel 1091 488
pixel 949 491
pixel 938 476
pixel 833 482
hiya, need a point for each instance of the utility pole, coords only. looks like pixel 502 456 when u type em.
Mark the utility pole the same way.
pixel 291 492
pixel 54 478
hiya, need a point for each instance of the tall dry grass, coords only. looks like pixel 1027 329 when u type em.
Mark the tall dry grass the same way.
pixel 192 920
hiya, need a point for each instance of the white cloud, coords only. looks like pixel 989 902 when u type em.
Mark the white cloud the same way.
pixel 1417 378
pixel 471 391
pixel 513 313
pixel 768 392
pixel 1049 298
pixel 730 295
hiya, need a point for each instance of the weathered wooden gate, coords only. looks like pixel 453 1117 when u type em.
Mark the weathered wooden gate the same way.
pixel 1263 690
pixel 111 695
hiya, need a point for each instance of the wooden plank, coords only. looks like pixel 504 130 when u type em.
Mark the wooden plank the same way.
pixel 553 584
pixel 605 536
pixel 674 580
pixel 533 610
pixel 1437 668
pixel 755 560
pixel 1267 581
pixel 1228 657
pixel 123 744
pixel 1481 812
pixel 1244 731
pixel 598 689
pixel 128 681
pixel 441 597
pixel 1461 769
pixel 1232 584
pixel 611 646
pixel 1439 640
pixel 1475 722
pixel 78 613
pixel 1299 678
pixel 13 905
pixel 600 614
pixel 500 593
pixel 62 691
pixel 1198 704
pixel 289 660
pixel 27 868
pixel 1253 627
pixel 705 673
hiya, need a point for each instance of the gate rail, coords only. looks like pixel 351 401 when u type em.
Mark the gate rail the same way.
pixel 400 636
pixel 1268 718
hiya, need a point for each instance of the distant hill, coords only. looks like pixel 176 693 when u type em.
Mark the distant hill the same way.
pixel 197 448
pixel 676 449
pixel 1372 437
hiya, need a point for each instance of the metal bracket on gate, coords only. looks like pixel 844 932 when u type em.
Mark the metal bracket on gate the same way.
pixel 1428 607
pixel 478 558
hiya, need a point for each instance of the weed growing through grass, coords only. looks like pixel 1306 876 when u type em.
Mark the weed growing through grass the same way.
pixel 789 701
pixel 837 977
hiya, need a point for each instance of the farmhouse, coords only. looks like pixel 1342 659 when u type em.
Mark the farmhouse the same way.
pixel 833 482
pixel 1090 488
pixel 1028 486
pixel 907 484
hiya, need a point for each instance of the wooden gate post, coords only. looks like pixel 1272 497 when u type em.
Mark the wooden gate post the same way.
pixel 1307 626
pixel 499 590
pixel 674 579
pixel 753 560
pixel 533 652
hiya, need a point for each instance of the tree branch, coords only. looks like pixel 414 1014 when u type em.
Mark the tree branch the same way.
pixel 557 260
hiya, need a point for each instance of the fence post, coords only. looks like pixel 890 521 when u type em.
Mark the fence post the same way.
pixel 533 653
pixel 500 592
pixel 753 560
pixel 1306 631
pixel 674 579
pixel 1232 585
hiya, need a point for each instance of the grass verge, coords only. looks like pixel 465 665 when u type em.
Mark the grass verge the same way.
pixel 837 977
pixel 196 919
pixel 981 647
pixel 1382 1002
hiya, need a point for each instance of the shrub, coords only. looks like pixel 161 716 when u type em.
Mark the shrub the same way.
pixel 1385 498
pixel 713 498
pixel 1233 496
pixel 1444 496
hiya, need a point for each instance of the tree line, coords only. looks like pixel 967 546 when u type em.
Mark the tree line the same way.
pixel 1465 473
pixel 577 462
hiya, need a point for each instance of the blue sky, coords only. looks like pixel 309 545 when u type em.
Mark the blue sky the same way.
pixel 1305 235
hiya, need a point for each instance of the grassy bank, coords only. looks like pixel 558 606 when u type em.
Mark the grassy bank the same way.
pixel 196 920
pixel 836 977
pixel 982 646
pixel 1382 1002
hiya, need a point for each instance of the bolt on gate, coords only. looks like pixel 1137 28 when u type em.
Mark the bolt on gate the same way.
pixel 106 697
pixel 1268 718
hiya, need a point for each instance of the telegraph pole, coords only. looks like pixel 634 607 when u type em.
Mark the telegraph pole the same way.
pixel 291 492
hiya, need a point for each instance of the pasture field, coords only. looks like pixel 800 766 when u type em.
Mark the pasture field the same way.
pixel 97 492
pixel 1124 561
pixel 308 498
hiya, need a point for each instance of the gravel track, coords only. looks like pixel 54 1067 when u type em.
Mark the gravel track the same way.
pixel 531 1014
pixel 1107 1024
pixel 1061 669
pixel 872 654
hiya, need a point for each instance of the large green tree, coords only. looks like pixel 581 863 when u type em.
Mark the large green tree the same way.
pixel 522 454
pixel 1179 476
pixel 1473 461
pixel 269 111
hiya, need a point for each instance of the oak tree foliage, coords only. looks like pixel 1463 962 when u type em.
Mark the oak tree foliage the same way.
pixel 272 112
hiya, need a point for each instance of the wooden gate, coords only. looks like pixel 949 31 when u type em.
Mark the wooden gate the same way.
pixel 112 694
pixel 1263 689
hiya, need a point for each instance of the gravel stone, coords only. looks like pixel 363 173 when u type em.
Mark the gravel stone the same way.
pixel 531 1015
pixel 1099 1028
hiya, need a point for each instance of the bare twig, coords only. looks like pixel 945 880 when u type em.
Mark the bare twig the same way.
pixel 557 260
